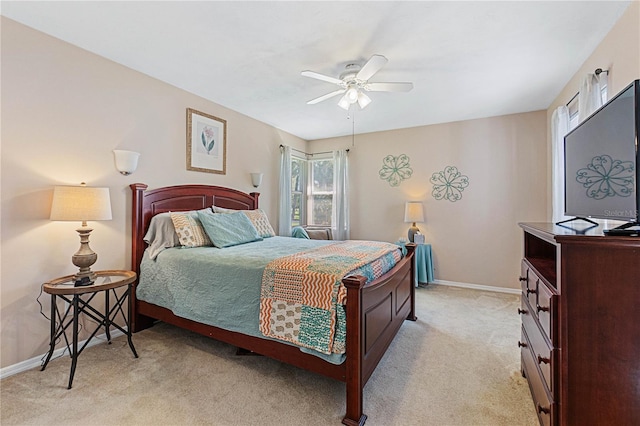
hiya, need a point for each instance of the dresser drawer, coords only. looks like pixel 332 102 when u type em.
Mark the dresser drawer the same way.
pixel 545 308
pixel 543 401
pixel 543 353
pixel 528 283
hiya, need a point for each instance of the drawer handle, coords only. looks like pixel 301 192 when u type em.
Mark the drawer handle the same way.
pixel 543 360
pixel 522 279
pixel 521 345
pixel 542 409
pixel 522 311
pixel 542 308
pixel 529 291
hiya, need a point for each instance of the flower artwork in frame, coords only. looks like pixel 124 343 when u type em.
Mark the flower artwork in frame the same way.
pixel 206 143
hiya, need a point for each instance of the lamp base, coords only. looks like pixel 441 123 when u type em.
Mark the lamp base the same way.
pixel 83 259
pixel 412 232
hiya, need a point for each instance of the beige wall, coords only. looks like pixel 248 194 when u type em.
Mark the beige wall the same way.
pixel 475 240
pixel 63 111
pixel 619 52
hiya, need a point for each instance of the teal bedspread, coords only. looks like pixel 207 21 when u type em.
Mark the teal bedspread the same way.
pixel 226 295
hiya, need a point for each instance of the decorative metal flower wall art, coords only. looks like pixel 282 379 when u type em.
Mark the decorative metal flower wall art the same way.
pixel 448 184
pixel 395 169
pixel 606 177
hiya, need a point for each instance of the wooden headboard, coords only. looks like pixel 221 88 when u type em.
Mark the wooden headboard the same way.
pixel 147 204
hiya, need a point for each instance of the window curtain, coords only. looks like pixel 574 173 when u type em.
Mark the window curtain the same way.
pixel 341 195
pixel 284 207
pixel 589 97
pixel 559 128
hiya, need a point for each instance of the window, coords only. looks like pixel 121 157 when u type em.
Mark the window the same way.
pixel 320 199
pixel 298 191
pixel 573 112
pixel 311 191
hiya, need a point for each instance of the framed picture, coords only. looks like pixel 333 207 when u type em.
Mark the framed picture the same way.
pixel 206 143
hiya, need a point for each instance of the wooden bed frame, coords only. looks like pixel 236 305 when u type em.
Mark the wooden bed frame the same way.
pixel 375 311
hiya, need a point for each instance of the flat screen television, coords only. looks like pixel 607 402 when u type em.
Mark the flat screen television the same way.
pixel 601 161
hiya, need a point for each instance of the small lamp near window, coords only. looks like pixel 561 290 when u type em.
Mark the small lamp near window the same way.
pixel 256 179
pixel 126 161
pixel 82 203
pixel 413 212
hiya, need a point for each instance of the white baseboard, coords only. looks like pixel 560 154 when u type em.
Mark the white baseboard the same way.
pixel 478 287
pixel 37 361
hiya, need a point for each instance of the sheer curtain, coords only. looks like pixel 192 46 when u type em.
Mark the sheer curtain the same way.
pixel 284 207
pixel 589 97
pixel 341 195
pixel 559 128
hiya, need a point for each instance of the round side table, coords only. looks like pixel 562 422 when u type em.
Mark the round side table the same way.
pixel 106 282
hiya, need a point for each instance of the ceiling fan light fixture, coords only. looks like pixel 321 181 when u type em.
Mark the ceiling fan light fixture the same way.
pixel 352 95
pixel 363 100
pixel 344 103
pixel 354 80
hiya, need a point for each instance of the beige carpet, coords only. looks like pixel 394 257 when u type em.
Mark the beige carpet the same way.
pixel 460 362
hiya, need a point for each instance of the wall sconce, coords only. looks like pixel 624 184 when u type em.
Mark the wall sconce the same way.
pixel 413 212
pixel 126 161
pixel 256 179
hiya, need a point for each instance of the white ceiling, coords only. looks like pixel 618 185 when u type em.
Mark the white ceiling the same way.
pixel 466 59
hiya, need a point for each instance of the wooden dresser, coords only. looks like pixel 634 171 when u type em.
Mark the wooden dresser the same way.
pixel 580 344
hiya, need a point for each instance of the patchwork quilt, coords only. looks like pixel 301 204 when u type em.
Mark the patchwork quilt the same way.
pixel 302 298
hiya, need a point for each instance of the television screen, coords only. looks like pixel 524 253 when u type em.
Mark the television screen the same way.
pixel 601 161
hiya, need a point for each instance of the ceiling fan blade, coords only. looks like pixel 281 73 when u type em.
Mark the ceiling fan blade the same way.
pixel 327 96
pixel 373 65
pixel 322 77
pixel 388 87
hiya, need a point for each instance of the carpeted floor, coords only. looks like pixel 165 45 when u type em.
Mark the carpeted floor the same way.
pixel 461 361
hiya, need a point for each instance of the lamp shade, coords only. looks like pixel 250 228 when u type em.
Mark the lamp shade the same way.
pixel 413 211
pixel 344 102
pixel 363 100
pixel 80 203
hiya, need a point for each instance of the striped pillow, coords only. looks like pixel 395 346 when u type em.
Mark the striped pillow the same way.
pixel 189 230
pixel 261 222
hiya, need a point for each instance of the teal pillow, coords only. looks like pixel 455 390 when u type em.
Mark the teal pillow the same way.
pixel 226 230
pixel 299 232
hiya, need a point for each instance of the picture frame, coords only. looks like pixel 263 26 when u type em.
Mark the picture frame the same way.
pixel 206 142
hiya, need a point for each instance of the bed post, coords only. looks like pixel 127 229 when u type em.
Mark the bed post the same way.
pixel 255 196
pixel 354 362
pixel 137 322
pixel 411 247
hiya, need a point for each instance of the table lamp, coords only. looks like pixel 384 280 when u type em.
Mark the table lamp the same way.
pixel 413 212
pixel 81 203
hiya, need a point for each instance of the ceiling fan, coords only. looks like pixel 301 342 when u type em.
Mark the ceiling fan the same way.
pixel 354 81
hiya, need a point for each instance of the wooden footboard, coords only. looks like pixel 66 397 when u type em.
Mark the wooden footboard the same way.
pixel 375 311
